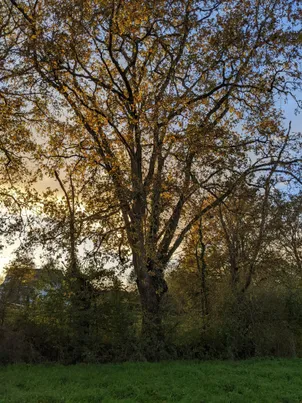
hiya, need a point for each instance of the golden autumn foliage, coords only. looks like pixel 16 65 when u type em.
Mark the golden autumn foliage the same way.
pixel 173 102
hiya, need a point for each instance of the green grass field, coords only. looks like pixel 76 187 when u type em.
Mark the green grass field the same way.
pixel 180 381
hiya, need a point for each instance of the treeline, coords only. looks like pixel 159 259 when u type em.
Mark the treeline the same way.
pixel 212 310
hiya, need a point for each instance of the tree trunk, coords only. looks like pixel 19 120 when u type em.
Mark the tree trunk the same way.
pixel 152 287
pixel 200 253
pixel 81 304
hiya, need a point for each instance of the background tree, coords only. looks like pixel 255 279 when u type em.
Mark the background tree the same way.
pixel 241 322
pixel 289 230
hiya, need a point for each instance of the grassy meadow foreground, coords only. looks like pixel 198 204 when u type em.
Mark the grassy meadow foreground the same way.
pixel 186 381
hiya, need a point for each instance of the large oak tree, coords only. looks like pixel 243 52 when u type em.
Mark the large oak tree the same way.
pixel 177 102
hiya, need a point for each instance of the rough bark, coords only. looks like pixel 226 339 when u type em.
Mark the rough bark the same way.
pixel 152 287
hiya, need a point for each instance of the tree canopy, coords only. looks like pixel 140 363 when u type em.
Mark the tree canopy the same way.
pixel 156 112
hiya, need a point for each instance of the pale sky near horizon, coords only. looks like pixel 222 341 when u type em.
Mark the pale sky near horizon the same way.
pixel 6 254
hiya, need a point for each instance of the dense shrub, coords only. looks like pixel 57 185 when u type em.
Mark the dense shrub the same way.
pixel 264 321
